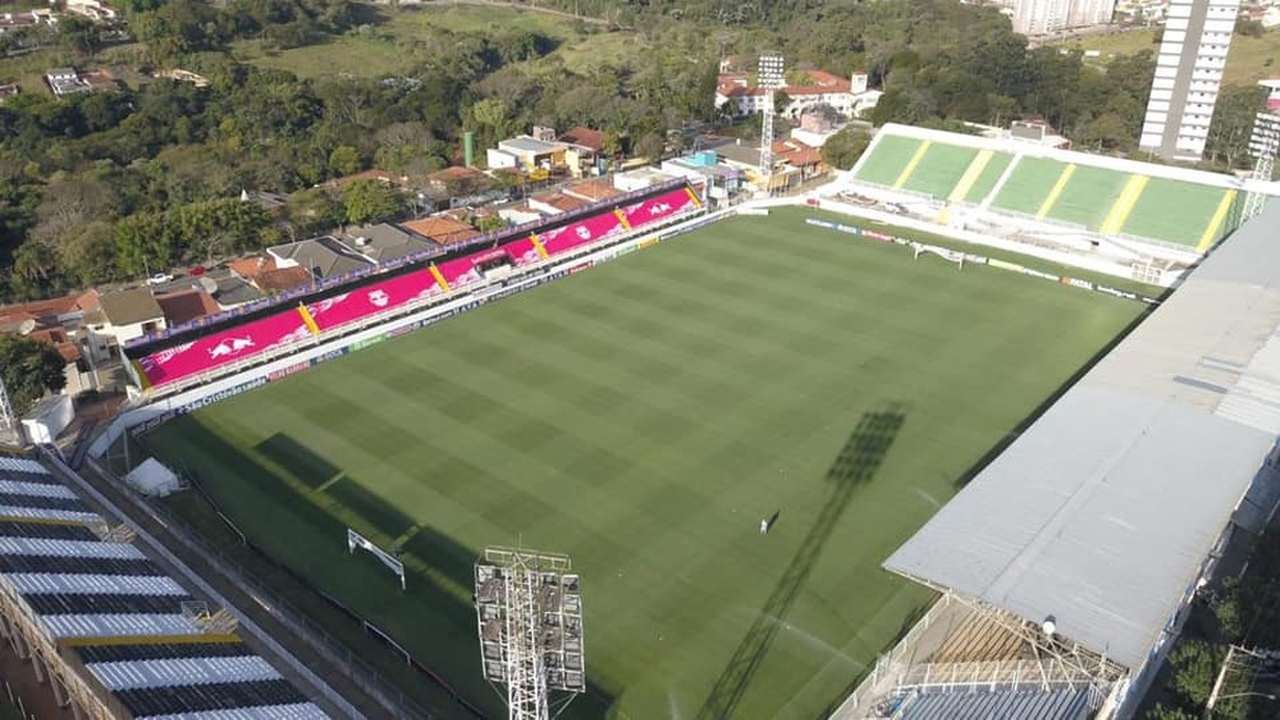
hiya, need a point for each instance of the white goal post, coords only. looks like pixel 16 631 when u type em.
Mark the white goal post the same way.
pixel 356 540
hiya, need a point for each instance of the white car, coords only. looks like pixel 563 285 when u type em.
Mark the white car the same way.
pixel 159 279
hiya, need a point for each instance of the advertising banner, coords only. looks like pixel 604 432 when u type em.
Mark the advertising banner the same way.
pixel 220 348
pixel 372 299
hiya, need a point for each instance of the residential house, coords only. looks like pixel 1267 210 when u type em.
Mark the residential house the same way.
pixel 9 90
pixel 554 203
pixel 183 306
pixel 383 242
pixel 850 97
pixel 519 213
pixel 442 229
pixel 261 272
pixel 1273 93
pixel 584 153
pixel 639 179
pixel 720 180
pixel 458 180
pixel 92 9
pixel 11 22
pixel 528 154
pixel 65 81
pixel 592 190
pixel 746 158
pixel 59 322
pixel 125 315
pixel 324 257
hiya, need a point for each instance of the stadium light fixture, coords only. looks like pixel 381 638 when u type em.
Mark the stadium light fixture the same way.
pixel 529 621
pixel 7 421
pixel 1264 145
pixel 771 77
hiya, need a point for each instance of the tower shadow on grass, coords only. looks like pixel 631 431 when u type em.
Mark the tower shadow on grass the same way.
pixel 430 557
pixel 856 464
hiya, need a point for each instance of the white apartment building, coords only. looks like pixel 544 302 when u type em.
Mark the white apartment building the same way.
pixel 1193 54
pixel 1044 17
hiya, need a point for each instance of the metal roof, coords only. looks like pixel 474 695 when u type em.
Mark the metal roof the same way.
pixel 1102 513
pixel 1064 704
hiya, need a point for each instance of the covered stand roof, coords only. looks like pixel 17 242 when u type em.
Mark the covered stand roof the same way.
pixel 1103 512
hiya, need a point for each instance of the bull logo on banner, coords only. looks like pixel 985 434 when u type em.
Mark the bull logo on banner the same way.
pixel 660 208
pixel 230 347
pixel 379 298
pixel 583 232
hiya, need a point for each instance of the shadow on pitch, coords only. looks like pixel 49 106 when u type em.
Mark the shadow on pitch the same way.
pixel 856 464
pixel 359 586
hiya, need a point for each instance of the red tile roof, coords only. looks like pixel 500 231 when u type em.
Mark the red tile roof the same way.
pixel 253 266
pixel 796 153
pixel 822 82
pixel 596 189
pixel 441 229
pixel 183 307
pixel 560 201
pixel 281 279
pixel 584 136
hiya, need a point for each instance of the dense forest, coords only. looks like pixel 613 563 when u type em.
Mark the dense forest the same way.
pixel 103 186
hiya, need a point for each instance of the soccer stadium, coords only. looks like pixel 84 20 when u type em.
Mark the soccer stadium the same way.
pixel 885 450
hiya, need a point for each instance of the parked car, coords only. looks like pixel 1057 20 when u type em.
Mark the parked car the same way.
pixel 159 279
pixel 196 271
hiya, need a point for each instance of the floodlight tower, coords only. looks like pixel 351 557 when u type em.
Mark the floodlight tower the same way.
pixel 7 421
pixel 529 616
pixel 770 76
pixel 1264 145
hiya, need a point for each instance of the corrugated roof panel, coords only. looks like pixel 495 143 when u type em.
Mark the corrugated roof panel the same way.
pixel 22 465
pixel 68 548
pixel 78 516
pixel 298 711
pixel 117 625
pixel 182 671
pixel 1102 513
pixel 95 584
pixel 37 489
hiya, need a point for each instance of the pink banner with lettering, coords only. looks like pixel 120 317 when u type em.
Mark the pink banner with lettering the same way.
pixel 580 233
pixel 522 252
pixel 287 326
pixel 658 208
pixel 461 271
pixel 223 347
pixel 371 299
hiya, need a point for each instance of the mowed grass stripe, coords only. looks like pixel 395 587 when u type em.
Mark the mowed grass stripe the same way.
pixel 643 416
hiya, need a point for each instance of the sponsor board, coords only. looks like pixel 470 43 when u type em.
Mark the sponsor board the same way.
pixel 1004 265
pixel 362 344
pixel 1077 283
pixel 1041 275
pixel 650 242
pixel 287 371
pixel 821 223
pixel 1118 293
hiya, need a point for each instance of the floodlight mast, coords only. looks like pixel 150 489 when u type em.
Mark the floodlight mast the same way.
pixel 529 619
pixel 1264 144
pixel 7 421
pixel 771 77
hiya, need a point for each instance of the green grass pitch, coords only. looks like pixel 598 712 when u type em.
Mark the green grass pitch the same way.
pixel 643 417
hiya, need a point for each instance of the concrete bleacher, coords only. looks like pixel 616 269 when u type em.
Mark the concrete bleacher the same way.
pixel 1065 704
pixel 1176 208
pixel 118 619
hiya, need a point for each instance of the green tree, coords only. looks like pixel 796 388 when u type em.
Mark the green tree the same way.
pixel 368 201
pixel 844 148
pixel 344 160
pixel 30 369
pixel 1233 116
pixel 1164 712
pixel 1195 667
